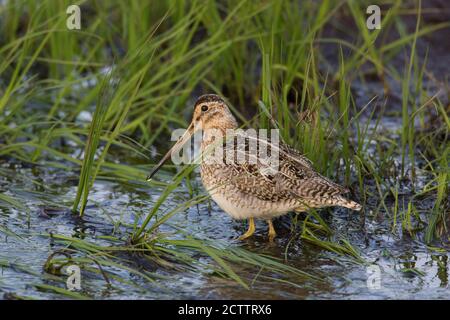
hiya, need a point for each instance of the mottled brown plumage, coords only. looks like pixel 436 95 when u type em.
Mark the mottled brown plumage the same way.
pixel 250 189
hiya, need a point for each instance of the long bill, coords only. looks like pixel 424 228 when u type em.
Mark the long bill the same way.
pixel 176 147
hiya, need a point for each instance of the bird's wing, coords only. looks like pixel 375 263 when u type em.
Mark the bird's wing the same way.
pixel 294 177
pixel 294 155
pixel 250 179
pixel 297 173
pixel 306 183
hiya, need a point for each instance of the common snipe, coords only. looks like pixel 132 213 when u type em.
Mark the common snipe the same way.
pixel 245 189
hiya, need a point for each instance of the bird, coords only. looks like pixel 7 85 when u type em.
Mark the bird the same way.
pixel 251 188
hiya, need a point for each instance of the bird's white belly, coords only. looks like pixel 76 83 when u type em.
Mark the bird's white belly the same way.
pixel 229 207
pixel 262 210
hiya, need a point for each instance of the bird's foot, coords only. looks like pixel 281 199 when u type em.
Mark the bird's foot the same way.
pixel 250 231
pixel 272 233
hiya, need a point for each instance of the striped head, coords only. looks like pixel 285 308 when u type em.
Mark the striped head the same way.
pixel 211 112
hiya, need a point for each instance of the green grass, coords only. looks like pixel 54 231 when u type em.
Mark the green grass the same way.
pixel 137 68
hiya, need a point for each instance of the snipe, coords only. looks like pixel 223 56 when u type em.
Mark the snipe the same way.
pixel 245 189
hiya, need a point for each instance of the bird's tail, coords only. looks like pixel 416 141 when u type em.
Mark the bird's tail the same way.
pixel 346 203
pixel 333 201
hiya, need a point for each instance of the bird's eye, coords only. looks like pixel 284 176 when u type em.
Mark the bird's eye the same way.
pixel 204 108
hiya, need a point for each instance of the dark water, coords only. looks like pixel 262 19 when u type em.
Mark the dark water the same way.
pixel 407 268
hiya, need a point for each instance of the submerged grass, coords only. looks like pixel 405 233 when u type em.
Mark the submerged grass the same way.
pixel 135 70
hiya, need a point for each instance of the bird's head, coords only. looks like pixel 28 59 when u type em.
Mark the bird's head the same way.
pixel 210 113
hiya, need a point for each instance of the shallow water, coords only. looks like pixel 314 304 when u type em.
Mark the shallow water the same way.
pixel 407 268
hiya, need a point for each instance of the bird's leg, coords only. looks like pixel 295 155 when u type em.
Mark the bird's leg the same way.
pixel 272 233
pixel 250 231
